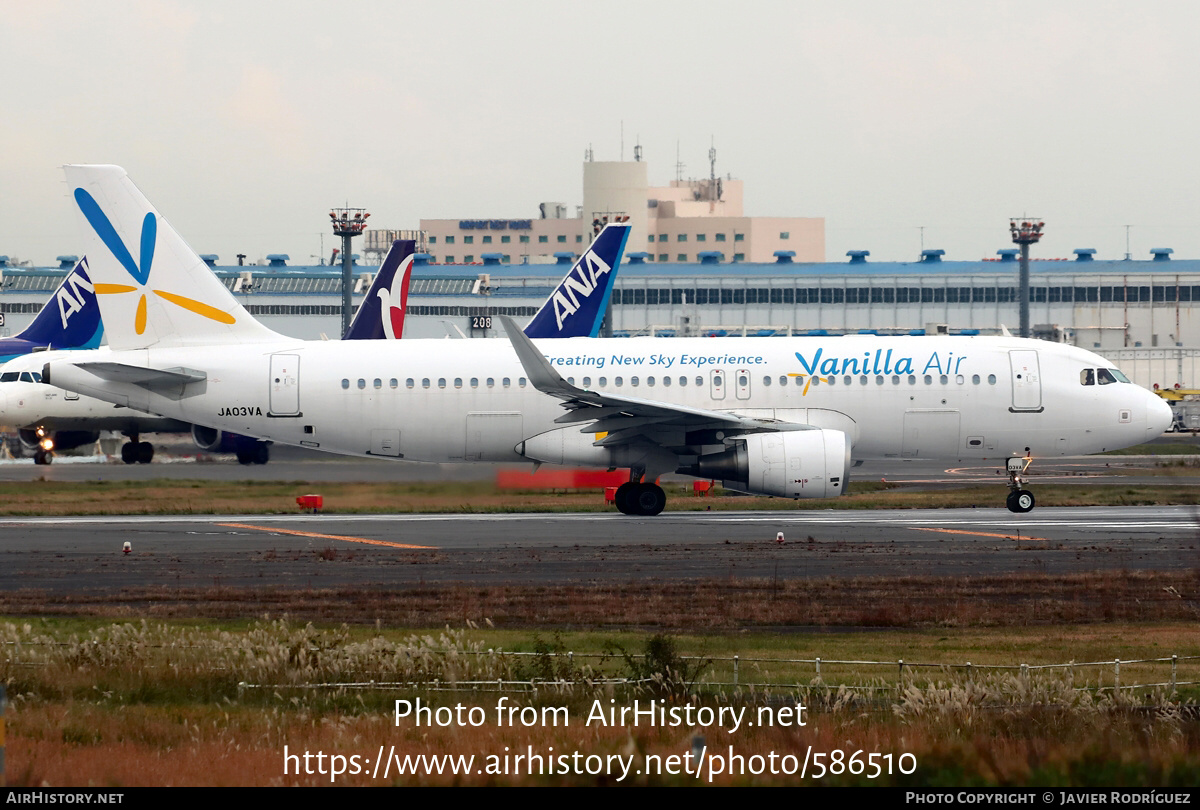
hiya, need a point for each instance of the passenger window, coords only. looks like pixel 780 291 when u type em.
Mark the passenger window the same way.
pixel 650 381
pixel 991 379
pixel 603 382
pixel 491 382
pixel 570 380
pixel 410 382
pixel 975 379
pixel 862 380
pixel 394 383
pixel 667 381
pixel 912 379
pixel 618 381
pixel 1087 377
pixel 945 379
pixel 699 382
pixel 458 382
pixel 345 382
pixel 521 381
pixel 506 382
pixel 633 381
pixel 879 380
pixel 378 383
pixel 848 380
pixel 361 383
pixel 587 382
pixel 441 382
pixel 960 379
pixel 474 382
pixel 683 382
pixel 425 382
pixel 766 380
pixel 717 381
pixel 895 379
pixel 929 379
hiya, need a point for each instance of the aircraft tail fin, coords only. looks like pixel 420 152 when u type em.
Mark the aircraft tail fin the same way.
pixel 152 288
pixel 71 318
pixel 576 307
pixel 381 314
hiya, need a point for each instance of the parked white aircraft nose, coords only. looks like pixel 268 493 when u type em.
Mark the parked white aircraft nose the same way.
pixel 1158 415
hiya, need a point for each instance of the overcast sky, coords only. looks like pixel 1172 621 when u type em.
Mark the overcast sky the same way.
pixel 245 121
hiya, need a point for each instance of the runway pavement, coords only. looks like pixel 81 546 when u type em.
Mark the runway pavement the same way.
pixel 66 555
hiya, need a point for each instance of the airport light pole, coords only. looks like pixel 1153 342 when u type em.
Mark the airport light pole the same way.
pixel 1025 232
pixel 347 223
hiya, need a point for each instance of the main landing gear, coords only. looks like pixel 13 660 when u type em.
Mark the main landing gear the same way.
pixel 135 452
pixel 1019 498
pixel 638 498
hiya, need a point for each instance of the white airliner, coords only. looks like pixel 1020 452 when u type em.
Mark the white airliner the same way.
pixel 769 416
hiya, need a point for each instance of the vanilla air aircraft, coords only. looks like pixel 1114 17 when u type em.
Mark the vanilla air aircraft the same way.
pixel 769 416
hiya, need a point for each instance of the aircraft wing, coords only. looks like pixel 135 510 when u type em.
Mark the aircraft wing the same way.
pixel 626 419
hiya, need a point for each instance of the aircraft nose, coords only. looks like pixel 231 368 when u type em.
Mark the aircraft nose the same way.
pixel 1158 415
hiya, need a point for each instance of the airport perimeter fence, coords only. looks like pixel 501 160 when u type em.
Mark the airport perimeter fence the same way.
pixel 873 678
pixel 722 674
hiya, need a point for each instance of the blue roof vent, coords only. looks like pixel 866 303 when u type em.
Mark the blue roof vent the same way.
pixel 3 261
pixel 277 259
pixel 1008 254
pixel 421 259
pixel 67 262
pixel 564 257
pixel 1161 254
pixel 492 258
pixel 210 259
pixel 784 256
pixel 1084 254
pixel 858 256
pixel 932 255
pixel 710 256
pixel 638 257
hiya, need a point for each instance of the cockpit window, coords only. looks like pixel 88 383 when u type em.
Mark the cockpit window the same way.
pixel 10 376
pixel 1120 377
pixel 1087 377
pixel 1105 376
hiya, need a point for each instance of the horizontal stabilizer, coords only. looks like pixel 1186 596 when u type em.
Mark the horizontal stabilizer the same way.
pixel 162 381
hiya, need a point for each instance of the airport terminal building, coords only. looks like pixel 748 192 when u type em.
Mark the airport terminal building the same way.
pixel 697 266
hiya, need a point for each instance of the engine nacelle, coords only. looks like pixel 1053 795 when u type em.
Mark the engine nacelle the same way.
pixel 213 440
pixel 33 439
pixel 793 464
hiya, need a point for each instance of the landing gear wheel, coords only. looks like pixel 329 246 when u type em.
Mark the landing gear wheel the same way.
pixel 261 453
pixel 42 457
pixel 621 497
pixel 145 452
pixel 129 453
pixel 648 499
pixel 1020 501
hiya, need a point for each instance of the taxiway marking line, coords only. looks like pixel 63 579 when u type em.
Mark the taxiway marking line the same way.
pixel 980 534
pixel 326 536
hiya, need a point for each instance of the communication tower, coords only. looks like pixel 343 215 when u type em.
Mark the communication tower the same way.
pixel 1025 232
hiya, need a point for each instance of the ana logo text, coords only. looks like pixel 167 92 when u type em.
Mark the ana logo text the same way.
pixel 581 281
pixel 70 296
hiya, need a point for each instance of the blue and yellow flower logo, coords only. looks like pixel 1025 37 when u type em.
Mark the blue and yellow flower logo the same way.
pixel 139 271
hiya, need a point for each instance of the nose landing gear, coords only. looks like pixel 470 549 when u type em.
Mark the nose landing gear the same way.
pixel 1019 499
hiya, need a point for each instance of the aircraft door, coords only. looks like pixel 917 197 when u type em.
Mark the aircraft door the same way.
pixel 285 385
pixel 1026 381
pixel 716 383
pixel 742 380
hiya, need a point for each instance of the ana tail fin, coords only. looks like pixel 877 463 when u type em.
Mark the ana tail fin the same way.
pixel 71 318
pixel 577 306
pixel 381 314
pixel 152 287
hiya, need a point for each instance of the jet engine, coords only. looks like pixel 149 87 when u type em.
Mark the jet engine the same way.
pixel 793 464
pixel 248 450
pixel 34 439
